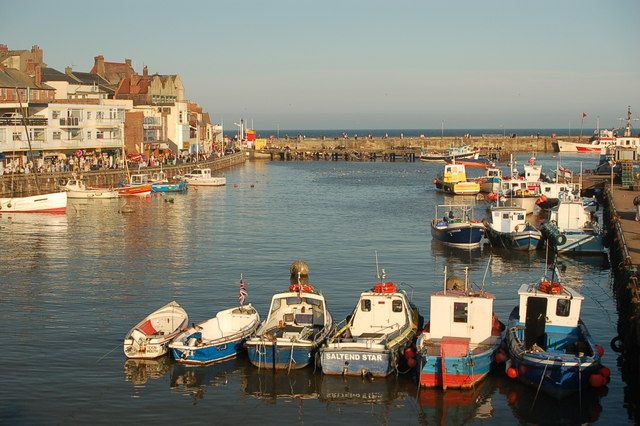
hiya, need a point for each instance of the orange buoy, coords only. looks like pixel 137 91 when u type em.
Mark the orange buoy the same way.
pixel 605 372
pixel 513 373
pixel 600 350
pixel 411 362
pixel 387 287
pixel 409 353
pixel 597 380
pixel 500 357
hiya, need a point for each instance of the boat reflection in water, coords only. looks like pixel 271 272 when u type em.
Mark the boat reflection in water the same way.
pixel 579 408
pixel 457 406
pixel 455 256
pixel 194 380
pixel 140 371
pixel 358 390
pixel 268 386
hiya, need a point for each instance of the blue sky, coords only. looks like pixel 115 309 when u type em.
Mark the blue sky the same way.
pixel 362 64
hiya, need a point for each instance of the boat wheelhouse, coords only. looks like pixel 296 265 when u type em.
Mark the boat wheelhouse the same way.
pixel 508 228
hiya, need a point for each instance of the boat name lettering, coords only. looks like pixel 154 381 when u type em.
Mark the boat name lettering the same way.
pixel 354 357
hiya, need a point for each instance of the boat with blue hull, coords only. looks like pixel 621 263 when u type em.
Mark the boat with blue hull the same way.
pixel 217 339
pixel 374 337
pixel 457 228
pixel 573 227
pixel 459 344
pixel 549 346
pixel 509 229
pixel 298 323
pixel 169 186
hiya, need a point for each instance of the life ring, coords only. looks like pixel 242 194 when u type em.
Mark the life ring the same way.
pixel 551 287
pixel 304 288
pixel 387 287
pixel 561 240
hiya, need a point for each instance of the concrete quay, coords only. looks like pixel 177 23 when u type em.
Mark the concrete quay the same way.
pixel 25 184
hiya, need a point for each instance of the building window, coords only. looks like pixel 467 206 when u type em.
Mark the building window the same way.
pixel 459 312
pixel 365 305
pixel 74 133
pixel 99 134
pixel 17 136
pixel 55 114
pixel 56 136
pixel 100 115
pixel 89 134
pixel 88 115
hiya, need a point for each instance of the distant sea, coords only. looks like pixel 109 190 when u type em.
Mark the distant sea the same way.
pixel 412 132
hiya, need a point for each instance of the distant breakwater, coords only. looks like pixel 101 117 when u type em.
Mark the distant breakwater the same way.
pixel 28 184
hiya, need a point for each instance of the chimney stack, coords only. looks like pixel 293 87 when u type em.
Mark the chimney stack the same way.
pixel 127 61
pixel 145 71
pixel 4 48
pixel 99 65
pixel 38 75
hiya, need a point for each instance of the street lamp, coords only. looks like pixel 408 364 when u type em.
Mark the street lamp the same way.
pixel 442 128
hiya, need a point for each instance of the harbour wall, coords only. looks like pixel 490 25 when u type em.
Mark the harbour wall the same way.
pixel 624 254
pixel 397 148
pixel 27 184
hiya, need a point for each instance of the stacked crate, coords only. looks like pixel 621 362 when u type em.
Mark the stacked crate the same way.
pixel 630 175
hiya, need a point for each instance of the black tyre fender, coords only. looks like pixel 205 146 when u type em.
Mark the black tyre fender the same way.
pixel 562 239
pixel 616 344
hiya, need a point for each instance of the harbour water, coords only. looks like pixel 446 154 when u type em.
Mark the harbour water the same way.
pixel 72 285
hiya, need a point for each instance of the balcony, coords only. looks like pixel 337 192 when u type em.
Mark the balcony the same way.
pixel 70 122
pixel 30 121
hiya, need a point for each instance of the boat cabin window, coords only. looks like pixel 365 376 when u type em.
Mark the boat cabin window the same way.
pixel 396 306
pixel 276 305
pixel 459 312
pixel 505 215
pixel 563 307
pixel 520 216
pixel 365 305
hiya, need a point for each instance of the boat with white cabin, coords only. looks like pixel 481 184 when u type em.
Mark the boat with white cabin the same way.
pixel 150 338
pixel 77 188
pixel 509 229
pixel 202 177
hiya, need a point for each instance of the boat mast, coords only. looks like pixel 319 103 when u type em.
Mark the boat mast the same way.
pixel 444 284
pixel 24 114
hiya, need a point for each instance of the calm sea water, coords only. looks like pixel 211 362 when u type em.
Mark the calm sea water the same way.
pixel 72 286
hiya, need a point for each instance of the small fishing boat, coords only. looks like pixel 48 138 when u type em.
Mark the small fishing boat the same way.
pixel 77 188
pixel 457 228
pixel 150 337
pixel 464 151
pixel 573 227
pixel 202 177
pixel 459 343
pixel 178 186
pixel 481 163
pixel 550 347
pixel 491 181
pixel 508 228
pixel 53 202
pixel 454 181
pixel 138 185
pixel 298 323
pixel 217 339
pixel 374 337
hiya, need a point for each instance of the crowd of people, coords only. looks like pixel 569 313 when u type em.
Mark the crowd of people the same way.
pixel 95 161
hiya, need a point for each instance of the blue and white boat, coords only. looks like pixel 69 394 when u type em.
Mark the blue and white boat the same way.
pixel 216 339
pixel 298 323
pixel 457 228
pixel 550 347
pixel 573 227
pixel 178 186
pixel 509 229
pixel 459 343
pixel 491 181
pixel 373 339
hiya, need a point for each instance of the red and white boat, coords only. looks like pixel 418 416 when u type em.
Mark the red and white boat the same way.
pixel 602 139
pixel 139 185
pixel 55 202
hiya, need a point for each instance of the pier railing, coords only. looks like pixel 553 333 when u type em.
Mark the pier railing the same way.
pixel 25 184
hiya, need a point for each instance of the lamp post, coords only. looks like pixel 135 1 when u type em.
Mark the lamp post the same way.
pixel 442 129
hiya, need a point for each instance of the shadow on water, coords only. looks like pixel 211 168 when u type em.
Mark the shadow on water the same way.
pixel 140 371
pixel 195 380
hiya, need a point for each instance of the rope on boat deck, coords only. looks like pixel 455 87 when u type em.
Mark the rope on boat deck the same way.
pixel 291 360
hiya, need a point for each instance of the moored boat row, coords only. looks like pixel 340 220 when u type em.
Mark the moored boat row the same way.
pixel 462 342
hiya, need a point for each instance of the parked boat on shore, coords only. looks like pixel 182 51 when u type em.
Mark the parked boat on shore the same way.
pixel 457 228
pixel 150 337
pixel 289 338
pixel 458 345
pixel 374 337
pixel 549 345
pixel 217 339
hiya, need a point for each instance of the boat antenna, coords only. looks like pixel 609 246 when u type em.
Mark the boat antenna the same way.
pixel 377 266
pixel 444 284
pixel 486 271
pixel 466 278
pixel 24 113
pixel 546 258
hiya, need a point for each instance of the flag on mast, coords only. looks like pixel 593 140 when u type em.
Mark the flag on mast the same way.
pixel 243 291
pixel 584 115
